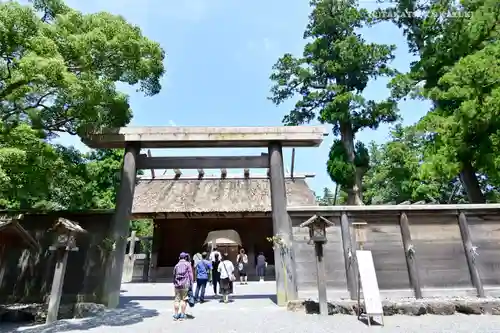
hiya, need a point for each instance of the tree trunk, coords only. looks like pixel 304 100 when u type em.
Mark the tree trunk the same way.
pixel 354 194
pixel 469 180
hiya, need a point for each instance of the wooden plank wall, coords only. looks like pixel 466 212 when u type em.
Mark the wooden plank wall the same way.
pixel 486 236
pixel 384 240
pixel 306 262
pixel 28 273
pixel 439 253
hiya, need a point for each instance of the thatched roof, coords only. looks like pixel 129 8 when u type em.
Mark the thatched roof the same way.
pixel 214 195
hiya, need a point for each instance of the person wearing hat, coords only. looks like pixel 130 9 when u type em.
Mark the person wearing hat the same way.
pixel 183 280
pixel 203 271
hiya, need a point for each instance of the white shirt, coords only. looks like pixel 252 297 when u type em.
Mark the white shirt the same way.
pixel 226 268
pixel 212 255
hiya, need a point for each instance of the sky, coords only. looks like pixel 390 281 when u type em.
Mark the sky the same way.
pixel 219 55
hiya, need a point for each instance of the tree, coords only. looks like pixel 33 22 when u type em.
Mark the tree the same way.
pixel 397 172
pixel 472 130
pixel 329 198
pixel 58 73
pixel 36 174
pixel 103 172
pixel 329 79
pixel 58 67
pixel 442 33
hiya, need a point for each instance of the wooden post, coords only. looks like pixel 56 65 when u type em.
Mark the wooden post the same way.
pixel 411 262
pixel 155 248
pixel 120 224
pixel 57 284
pixel 64 242
pixel 470 254
pixel 145 267
pixel 3 264
pixel 128 265
pixel 133 240
pixel 284 257
pixel 349 257
pixel 320 267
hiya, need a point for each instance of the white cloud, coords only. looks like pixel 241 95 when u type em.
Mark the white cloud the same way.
pixel 172 123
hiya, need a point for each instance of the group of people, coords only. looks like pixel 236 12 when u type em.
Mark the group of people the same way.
pixel 216 269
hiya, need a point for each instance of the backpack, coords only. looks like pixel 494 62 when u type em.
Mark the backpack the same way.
pixel 180 276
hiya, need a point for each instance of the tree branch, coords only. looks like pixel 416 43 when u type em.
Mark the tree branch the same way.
pixel 7 91
pixel 56 127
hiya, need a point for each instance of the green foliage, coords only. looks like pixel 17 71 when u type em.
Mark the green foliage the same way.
pixel 457 45
pixel 143 227
pixel 330 77
pixel 36 174
pixel 58 73
pixel 103 172
pixel 39 175
pixel 58 67
pixel 328 197
pixel 397 173
pixel 471 129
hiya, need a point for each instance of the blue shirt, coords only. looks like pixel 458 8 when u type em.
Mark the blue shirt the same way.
pixel 202 269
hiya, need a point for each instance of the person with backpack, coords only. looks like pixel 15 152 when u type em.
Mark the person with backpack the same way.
pixel 183 281
pixel 196 259
pixel 203 272
pixel 241 263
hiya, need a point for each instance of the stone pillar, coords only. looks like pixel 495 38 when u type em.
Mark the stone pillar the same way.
pixel 120 224
pixel 284 256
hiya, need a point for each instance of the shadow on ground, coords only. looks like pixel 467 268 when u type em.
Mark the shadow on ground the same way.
pixel 129 313
pixel 372 322
pixel 126 299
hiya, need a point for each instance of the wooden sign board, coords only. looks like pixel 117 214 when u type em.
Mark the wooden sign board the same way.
pixel 369 283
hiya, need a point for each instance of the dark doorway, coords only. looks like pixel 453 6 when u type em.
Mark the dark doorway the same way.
pixel 188 235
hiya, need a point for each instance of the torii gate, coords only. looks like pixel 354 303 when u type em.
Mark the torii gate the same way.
pixel 133 139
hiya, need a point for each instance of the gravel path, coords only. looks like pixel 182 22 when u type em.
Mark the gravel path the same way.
pixel 148 308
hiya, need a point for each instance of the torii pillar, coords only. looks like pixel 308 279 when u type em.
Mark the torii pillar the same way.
pixel 120 224
pixel 284 255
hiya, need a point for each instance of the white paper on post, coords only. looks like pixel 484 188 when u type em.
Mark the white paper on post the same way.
pixel 369 283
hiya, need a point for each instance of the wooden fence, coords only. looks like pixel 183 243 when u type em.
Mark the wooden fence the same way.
pixel 418 250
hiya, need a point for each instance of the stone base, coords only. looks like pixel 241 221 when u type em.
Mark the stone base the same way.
pixel 37 313
pixel 411 307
